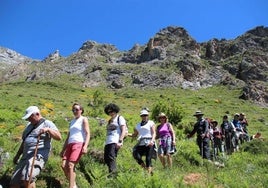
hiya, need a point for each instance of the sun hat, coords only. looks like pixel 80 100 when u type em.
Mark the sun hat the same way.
pixel 29 111
pixel 144 112
pixel 198 113
pixel 162 115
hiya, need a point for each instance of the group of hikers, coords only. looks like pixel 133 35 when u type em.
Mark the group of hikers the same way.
pixel 145 132
pixel 220 138
pixel 153 140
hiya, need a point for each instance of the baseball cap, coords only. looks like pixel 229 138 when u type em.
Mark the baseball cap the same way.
pixel 29 111
pixel 144 112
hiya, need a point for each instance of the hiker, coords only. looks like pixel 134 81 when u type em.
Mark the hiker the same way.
pixel 75 144
pixel 201 127
pixel 228 134
pixel 239 133
pixel 216 138
pixel 167 141
pixel 116 129
pixel 145 130
pixel 244 124
pixel 35 146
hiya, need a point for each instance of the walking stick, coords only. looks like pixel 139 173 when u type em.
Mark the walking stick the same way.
pixel 202 151
pixel 32 167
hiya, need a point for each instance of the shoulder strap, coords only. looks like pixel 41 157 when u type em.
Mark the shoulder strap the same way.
pixel 118 120
pixel 34 127
pixel 168 125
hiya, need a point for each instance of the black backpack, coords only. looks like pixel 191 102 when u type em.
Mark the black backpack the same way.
pixel 118 122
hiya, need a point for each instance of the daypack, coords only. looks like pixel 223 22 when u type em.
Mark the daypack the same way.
pixel 126 132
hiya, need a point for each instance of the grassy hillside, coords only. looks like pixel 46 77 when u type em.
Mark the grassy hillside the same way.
pixel 242 169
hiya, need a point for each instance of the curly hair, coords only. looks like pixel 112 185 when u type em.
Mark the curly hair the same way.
pixel 111 108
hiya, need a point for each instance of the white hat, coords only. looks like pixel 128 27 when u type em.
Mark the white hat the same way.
pixel 30 110
pixel 144 112
pixel 198 113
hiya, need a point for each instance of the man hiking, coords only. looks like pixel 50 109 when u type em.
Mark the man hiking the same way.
pixel 201 127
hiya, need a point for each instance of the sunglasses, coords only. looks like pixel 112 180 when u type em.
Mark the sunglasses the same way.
pixel 144 115
pixel 75 110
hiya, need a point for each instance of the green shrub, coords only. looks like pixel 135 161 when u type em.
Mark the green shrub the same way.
pixel 256 146
pixel 171 108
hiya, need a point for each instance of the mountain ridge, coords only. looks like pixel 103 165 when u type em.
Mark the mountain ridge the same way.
pixel 171 58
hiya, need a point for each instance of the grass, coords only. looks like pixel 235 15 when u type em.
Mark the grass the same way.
pixel 56 98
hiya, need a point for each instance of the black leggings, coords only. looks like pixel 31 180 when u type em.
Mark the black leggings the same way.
pixel 140 151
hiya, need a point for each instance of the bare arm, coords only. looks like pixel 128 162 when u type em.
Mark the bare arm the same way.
pixel 134 135
pixel 123 132
pixel 55 134
pixel 172 133
pixel 87 133
pixel 17 156
pixel 153 132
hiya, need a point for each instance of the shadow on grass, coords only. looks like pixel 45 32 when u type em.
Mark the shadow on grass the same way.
pixel 51 182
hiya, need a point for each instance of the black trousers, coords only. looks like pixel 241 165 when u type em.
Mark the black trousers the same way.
pixel 110 154
pixel 146 151
pixel 203 144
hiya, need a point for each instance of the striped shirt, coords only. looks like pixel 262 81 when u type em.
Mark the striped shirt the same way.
pixel 44 144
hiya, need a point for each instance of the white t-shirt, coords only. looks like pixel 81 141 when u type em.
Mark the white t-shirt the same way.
pixel 145 130
pixel 113 129
pixel 76 129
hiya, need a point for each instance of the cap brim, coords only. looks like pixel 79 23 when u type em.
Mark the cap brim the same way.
pixel 26 116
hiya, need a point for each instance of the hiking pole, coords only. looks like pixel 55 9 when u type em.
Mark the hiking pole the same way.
pixel 215 149
pixel 202 151
pixel 32 167
pixel 230 143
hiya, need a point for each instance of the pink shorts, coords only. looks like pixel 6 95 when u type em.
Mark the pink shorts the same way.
pixel 73 152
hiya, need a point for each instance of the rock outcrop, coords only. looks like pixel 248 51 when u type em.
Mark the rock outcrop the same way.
pixel 171 58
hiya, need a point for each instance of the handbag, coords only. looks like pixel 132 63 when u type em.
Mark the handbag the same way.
pixel 173 150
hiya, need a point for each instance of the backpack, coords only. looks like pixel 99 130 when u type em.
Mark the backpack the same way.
pixel 126 132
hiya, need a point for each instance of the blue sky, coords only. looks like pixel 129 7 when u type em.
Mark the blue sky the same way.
pixel 36 28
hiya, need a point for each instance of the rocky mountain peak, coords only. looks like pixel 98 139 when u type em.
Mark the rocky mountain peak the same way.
pixel 174 31
pixel 11 57
pixel 53 56
pixel 92 45
pixel 259 31
pixel 171 58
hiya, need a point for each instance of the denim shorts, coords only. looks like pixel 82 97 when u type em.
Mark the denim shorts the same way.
pixel 165 146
